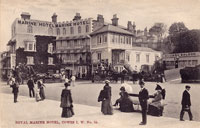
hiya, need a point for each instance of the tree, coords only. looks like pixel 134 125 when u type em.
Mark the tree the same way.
pixel 176 28
pixel 158 29
pixel 188 41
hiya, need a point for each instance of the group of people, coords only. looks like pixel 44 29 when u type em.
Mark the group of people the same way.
pixel 155 107
pixel 37 92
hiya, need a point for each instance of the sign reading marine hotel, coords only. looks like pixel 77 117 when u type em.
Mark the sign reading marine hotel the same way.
pixel 51 24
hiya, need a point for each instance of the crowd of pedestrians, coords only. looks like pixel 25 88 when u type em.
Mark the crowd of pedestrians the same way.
pixel 155 107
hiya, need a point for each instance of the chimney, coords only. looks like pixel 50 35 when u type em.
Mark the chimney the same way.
pixel 134 26
pixel 115 20
pixel 100 18
pixel 25 16
pixel 77 17
pixel 54 18
pixel 130 26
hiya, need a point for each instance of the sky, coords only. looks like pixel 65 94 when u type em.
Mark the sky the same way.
pixel 143 12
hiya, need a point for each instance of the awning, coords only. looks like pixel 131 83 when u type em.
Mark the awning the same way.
pixel 73 37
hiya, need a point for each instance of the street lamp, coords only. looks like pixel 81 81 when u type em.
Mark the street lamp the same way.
pixel 176 61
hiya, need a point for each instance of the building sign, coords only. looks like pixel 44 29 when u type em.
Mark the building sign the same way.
pixel 187 54
pixel 51 24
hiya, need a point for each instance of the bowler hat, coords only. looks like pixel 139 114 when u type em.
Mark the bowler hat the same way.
pixel 187 86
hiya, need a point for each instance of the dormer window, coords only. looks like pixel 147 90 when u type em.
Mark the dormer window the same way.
pixel 29 29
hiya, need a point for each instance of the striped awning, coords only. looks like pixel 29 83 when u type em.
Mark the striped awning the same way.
pixel 73 37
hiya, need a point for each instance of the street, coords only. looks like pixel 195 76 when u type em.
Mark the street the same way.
pixel 86 93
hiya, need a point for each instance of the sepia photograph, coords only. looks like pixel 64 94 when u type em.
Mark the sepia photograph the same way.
pixel 99 63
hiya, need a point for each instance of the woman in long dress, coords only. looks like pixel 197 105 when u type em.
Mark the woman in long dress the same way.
pixel 41 88
pixel 66 102
pixel 106 106
pixel 155 107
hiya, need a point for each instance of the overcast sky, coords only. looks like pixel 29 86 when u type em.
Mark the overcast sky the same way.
pixel 143 12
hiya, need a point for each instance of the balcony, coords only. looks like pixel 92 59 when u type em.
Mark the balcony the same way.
pixel 74 62
pixel 121 62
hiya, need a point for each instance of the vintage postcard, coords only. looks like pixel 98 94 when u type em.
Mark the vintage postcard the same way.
pixel 99 63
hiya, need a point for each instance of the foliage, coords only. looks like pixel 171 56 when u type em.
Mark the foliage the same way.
pixel 188 41
pixel 176 28
pixel 158 29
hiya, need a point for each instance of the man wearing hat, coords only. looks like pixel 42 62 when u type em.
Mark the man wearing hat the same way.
pixel 143 97
pixel 186 103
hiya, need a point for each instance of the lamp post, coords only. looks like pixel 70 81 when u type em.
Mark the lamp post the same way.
pixel 176 61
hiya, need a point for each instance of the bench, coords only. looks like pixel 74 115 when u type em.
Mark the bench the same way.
pixel 137 103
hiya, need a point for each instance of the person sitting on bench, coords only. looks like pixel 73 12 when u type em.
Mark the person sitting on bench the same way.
pixel 155 107
pixel 125 104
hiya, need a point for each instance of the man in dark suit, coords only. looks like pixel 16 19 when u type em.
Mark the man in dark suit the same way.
pixel 186 103
pixel 30 84
pixel 15 88
pixel 143 97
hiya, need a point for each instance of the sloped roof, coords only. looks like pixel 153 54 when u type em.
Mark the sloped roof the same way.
pixel 111 28
pixel 144 49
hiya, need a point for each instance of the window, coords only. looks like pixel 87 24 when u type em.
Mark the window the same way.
pixel 50 61
pixel 194 62
pixel 116 68
pixel 64 31
pixel 99 40
pixel 58 31
pixel 127 40
pixel 30 29
pixel 121 69
pixel 156 57
pixel 99 56
pixel 29 46
pixel 71 30
pixel 112 38
pixel 29 60
pixel 128 57
pixel 79 29
pixel 75 43
pixel 105 38
pixel 50 31
pixel 147 58
pixel 87 28
pixel 50 48
pixel 137 57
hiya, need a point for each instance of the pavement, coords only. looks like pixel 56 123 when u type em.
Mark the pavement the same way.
pixel 27 113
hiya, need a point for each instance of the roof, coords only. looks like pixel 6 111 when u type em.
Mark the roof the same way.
pixel 111 28
pixel 144 49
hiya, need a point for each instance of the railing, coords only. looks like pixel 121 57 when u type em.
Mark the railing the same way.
pixel 120 62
